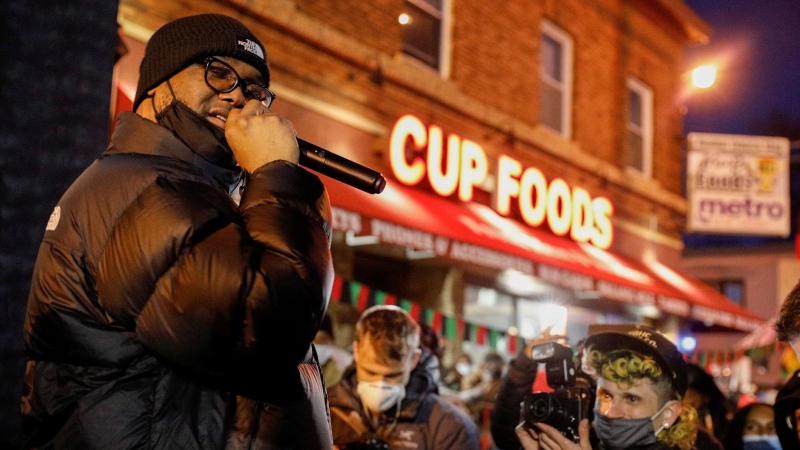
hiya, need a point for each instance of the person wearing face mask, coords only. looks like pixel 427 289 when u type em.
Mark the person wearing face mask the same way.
pixel 640 381
pixel 752 428
pixel 454 376
pixel 379 404
pixel 163 313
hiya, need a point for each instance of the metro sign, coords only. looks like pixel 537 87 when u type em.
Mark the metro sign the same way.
pixel 567 210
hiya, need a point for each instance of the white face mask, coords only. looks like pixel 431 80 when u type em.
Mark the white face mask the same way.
pixel 463 369
pixel 378 396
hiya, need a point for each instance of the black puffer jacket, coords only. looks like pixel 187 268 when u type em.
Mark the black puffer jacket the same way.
pixel 161 316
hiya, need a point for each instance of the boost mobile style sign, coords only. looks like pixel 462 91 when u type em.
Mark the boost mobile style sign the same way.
pixel 738 184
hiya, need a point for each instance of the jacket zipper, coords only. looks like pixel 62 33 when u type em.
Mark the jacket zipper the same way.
pixel 254 425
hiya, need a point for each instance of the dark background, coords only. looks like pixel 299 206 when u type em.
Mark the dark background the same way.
pixel 55 87
pixel 757 47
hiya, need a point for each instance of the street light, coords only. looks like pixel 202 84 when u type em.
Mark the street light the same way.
pixel 703 77
pixel 693 82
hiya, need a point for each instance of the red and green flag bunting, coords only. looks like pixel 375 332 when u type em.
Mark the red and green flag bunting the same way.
pixel 336 291
pixel 361 297
pixel 382 298
pixel 450 328
pixel 493 335
pixel 705 358
pixel 411 308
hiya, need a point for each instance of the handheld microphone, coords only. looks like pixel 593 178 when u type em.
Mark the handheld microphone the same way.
pixel 340 168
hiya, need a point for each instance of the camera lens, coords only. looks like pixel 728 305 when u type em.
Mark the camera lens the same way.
pixel 540 408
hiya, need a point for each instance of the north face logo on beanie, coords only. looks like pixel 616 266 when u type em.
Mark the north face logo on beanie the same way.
pixel 249 46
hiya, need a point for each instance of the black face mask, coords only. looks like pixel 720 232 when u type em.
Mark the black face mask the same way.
pixel 619 434
pixel 200 135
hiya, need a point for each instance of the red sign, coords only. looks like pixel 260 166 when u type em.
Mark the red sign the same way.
pixel 567 210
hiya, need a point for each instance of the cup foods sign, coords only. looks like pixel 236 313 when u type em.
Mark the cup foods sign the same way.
pixel 738 184
pixel 464 166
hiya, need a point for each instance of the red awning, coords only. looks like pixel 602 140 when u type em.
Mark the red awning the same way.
pixel 474 233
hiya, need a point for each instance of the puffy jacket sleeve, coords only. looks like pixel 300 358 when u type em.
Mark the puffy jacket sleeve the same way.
pixel 230 298
pixel 505 417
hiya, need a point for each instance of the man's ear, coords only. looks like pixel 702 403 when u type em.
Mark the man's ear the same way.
pixel 355 351
pixel 146 106
pixel 672 412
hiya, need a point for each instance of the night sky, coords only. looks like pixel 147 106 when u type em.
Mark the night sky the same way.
pixel 756 44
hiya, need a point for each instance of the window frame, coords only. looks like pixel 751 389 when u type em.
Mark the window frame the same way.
pixel 645 130
pixel 557 34
pixel 445 36
pixel 721 285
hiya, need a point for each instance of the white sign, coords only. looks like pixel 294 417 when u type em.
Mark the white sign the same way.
pixel 738 184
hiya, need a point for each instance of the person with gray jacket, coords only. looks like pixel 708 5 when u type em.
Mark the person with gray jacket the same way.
pixel 381 403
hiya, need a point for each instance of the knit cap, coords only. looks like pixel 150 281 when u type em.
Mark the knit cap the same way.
pixel 186 40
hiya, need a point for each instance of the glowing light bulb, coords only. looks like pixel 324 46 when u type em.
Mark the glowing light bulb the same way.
pixel 704 76
pixel 688 343
pixel 404 19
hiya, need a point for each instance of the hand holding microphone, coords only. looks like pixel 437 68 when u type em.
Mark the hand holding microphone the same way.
pixel 258 136
pixel 253 128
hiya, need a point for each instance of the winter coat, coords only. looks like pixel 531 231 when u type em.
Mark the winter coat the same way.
pixel 161 316
pixel 425 420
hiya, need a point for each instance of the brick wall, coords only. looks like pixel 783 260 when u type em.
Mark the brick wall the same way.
pixel 56 80
pixel 495 61
pixel 337 51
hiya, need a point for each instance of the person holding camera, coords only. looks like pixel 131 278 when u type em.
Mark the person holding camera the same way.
pixel 640 382
pixel 381 403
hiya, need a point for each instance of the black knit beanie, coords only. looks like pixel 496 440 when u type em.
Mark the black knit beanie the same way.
pixel 189 39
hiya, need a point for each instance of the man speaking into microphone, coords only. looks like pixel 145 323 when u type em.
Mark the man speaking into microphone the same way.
pixel 163 313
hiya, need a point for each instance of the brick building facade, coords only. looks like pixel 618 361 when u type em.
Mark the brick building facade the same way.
pixel 345 71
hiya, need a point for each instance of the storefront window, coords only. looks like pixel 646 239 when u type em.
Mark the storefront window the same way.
pixel 489 307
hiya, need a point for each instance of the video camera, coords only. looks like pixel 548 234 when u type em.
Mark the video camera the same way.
pixel 571 400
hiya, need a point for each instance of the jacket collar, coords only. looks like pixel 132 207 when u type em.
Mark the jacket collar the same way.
pixel 135 134
pixel 415 394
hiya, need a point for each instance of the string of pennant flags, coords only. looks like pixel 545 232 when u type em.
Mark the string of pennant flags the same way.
pixel 705 358
pixel 360 296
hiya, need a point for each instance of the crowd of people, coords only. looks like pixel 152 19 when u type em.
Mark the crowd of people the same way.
pixel 211 333
pixel 640 393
